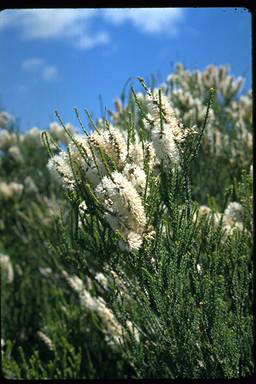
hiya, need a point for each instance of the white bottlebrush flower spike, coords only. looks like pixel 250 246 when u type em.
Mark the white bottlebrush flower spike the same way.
pixel 9 190
pixel 165 147
pixel 6 267
pixel 125 205
pixel 163 125
pixel 233 212
pixel 7 139
pixel 118 170
pixel 115 333
pixel 6 119
pixel 232 217
pixel 102 279
pixel 45 339
pixel 136 176
pixel 15 153
pixel 59 133
pixel 112 142
pixel 46 272
pixel 60 165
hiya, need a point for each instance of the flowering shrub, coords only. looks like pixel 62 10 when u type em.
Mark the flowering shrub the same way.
pixel 228 133
pixel 136 254
pixel 116 169
pixel 36 300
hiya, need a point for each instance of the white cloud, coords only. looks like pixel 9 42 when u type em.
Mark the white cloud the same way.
pixel 149 20
pixel 89 42
pixel 39 66
pixel 83 27
pixel 53 23
pixel 71 24
pixel 50 73
pixel 32 64
pixel 6 18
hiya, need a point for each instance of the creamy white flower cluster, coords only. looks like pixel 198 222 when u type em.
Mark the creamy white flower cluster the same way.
pixel 194 110
pixel 115 332
pixel 10 141
pixel 120 191
pixel 188 101
pixel 166 130
pixel 6 267
pixel 46 340
pixel 125 208
pixel 58 133
pixel 7 139
pixel 6 120
pixel 12 190
pixel 116 170
pixel 241 112
pixel 9 190
pixel 119 110
pixel 232 217
pixel 212 76
pixel 188 92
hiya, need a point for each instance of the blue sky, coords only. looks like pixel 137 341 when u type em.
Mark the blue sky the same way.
pixel 60 59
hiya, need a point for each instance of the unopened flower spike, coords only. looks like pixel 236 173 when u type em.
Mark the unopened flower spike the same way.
pixel 80 121
pixel 138 104
pixel 70 135
pixel 83 151
pixel 141 80
pixel 92 194
pixel 91 121
pixel 72 164
pixel 63 125
pixel 107 124
pixel 212 93
pixel 133 138
pixel 46 143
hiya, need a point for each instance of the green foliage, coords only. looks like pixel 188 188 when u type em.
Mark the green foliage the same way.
pixel 80 301
pixel 38 298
